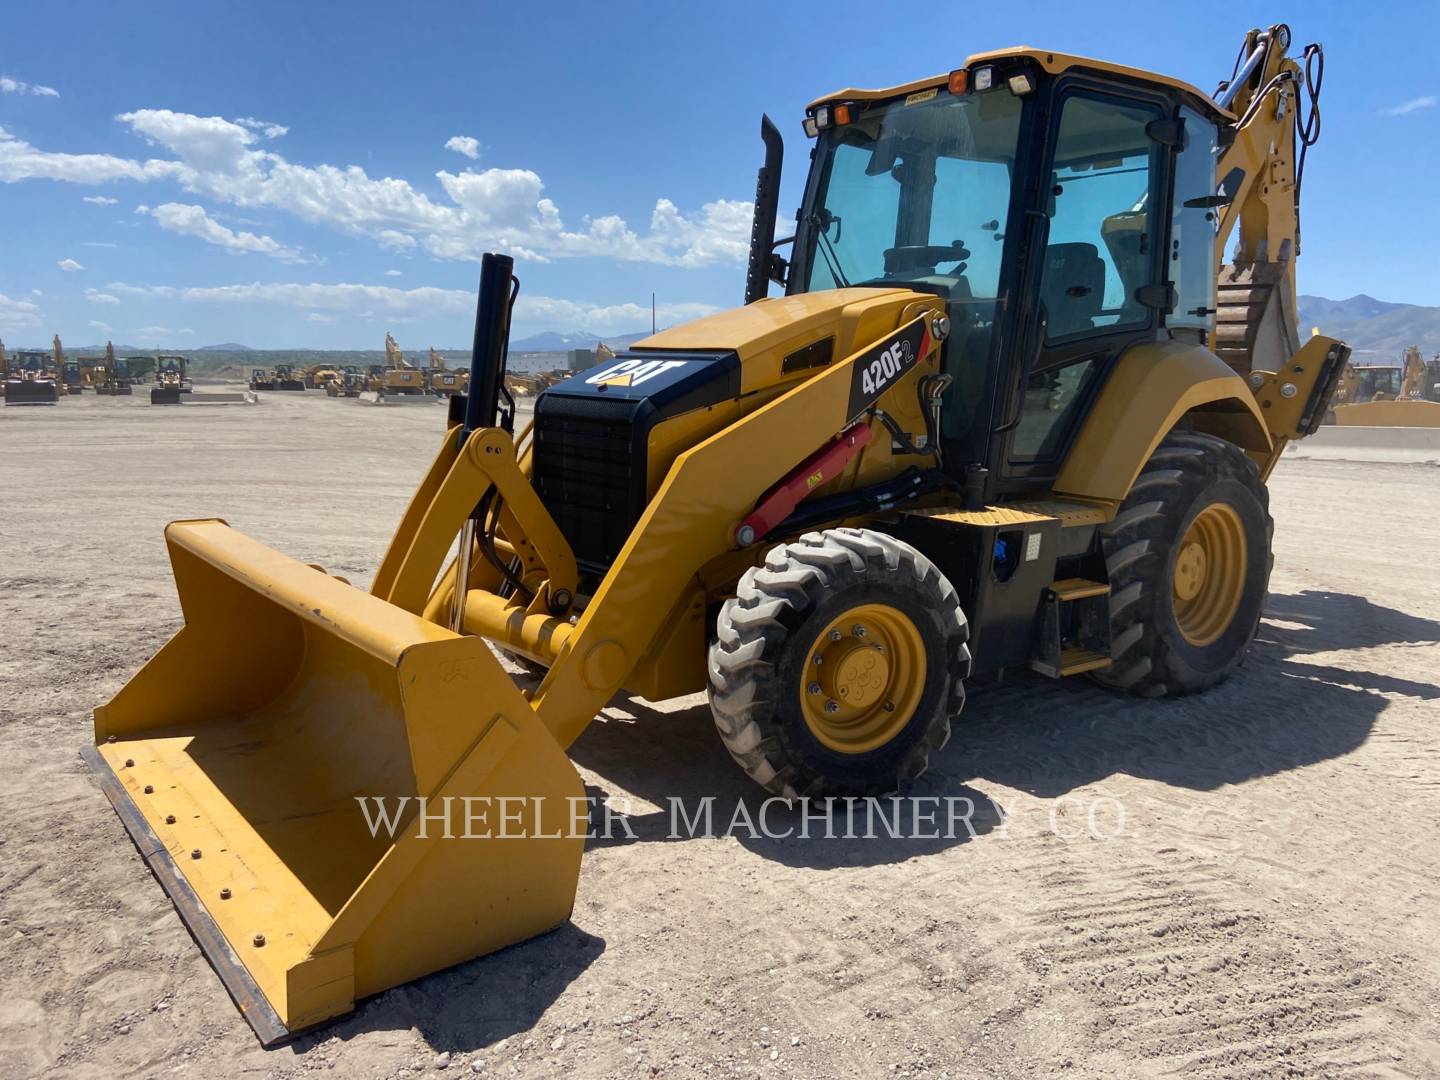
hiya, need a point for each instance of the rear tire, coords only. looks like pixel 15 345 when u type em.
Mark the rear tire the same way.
pixel 1189 559
pixel 891 627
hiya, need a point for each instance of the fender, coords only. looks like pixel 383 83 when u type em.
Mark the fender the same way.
pixel 1151 387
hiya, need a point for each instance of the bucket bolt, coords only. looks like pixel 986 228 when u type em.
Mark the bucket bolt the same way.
pixel 259 940
pixel 129 762
pixel 195 853
pixel 169 819
pixel 225 894
pixel 149 789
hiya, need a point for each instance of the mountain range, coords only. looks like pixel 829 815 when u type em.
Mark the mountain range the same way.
pixel 1374 329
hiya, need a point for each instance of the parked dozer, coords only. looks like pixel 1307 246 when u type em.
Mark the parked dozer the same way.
pixel 286 378
pixel 31 379
pixel 985 427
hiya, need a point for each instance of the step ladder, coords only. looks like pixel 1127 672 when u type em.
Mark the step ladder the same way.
pixel 1074 628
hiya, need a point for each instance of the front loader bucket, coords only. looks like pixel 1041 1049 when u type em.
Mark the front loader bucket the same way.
pixel 236 757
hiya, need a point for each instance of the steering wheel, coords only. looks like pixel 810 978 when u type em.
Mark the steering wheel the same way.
pixel 923 256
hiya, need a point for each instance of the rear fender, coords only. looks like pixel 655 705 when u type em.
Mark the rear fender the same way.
pixel 1152 387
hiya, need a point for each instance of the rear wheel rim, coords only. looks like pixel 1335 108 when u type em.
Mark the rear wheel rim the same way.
pixel 863 679
pixel 1208 579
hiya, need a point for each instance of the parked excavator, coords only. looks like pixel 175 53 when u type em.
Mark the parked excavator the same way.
pixel 67 369
pixel 443 381
pixel 112 376
pixel 992 423
pixel 399 375
pixel 1406 394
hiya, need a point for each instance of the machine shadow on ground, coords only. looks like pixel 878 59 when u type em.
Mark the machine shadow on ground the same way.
pixel 1279 712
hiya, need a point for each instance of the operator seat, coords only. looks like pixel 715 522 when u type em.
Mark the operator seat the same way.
pixel 1073 288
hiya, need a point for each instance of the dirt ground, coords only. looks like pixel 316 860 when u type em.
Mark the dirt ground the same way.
pixel 1259 894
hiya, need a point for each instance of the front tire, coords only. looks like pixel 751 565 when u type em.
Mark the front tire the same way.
pixel 1188 556
pixel 838 666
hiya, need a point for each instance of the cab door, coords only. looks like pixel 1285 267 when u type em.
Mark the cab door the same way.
pixel 1100 280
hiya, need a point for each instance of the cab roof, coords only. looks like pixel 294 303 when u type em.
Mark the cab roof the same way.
pixel 1052 62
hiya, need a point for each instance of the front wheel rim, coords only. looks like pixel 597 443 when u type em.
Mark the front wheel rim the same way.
pixel 863 678
pixel 1208 577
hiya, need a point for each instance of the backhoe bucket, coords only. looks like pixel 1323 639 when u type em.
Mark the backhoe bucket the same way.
pixel 238 756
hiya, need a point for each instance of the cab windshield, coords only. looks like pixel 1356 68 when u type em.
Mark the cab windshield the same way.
pixel 912 191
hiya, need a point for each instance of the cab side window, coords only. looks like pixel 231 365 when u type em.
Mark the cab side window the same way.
pixel 1102 234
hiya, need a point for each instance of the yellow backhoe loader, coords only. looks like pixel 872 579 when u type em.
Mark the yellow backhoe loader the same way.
pixel 172 378
pixel 984 427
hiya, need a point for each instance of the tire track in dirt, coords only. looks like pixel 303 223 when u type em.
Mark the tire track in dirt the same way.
pixel 1187 979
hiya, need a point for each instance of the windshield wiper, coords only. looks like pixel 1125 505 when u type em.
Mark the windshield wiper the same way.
pixel 820 222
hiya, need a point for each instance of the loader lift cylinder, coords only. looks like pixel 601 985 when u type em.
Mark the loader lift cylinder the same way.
pixel 492 336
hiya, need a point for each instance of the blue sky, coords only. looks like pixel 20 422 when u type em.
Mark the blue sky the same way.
pixel 279 175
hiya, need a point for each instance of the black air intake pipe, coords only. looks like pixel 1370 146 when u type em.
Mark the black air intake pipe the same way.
pixel 498 288
pixel 767 205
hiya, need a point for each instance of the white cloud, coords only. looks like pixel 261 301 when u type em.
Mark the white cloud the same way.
pixel 99 200
pixel 1429 101
pixel 264 127
pixel 18 314
pixel 16 86
pixel 95 296
pixel 69 264
pixel 392 273
pixel 423 300
pixel 21 161
pixel 315 316
pixel 161 331
pixel 103 327
pixel 464 144
pixel 222 160
pixel 189 220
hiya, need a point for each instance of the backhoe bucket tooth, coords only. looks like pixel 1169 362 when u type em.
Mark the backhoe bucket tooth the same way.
pixel 236 757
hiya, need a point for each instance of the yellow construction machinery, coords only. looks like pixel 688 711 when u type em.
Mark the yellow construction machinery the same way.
pixel 399 376
pixel 262 379
pixel 172 378
pixel 443 381
pixel 320 376
pixel 285 377
pixel 30 378
pixel 350 382
pixel 112 376
pixel 1406 394
pixel 67 369
pixel 985 427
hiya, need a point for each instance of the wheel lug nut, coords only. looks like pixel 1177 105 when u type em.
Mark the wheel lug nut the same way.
pixel 835 635
pixel 818 658
pixel 832 706
pixel 813 688
pixel 858 630
pixel 889 706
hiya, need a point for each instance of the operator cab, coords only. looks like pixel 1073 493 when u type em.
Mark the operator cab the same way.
pixel 1025 174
